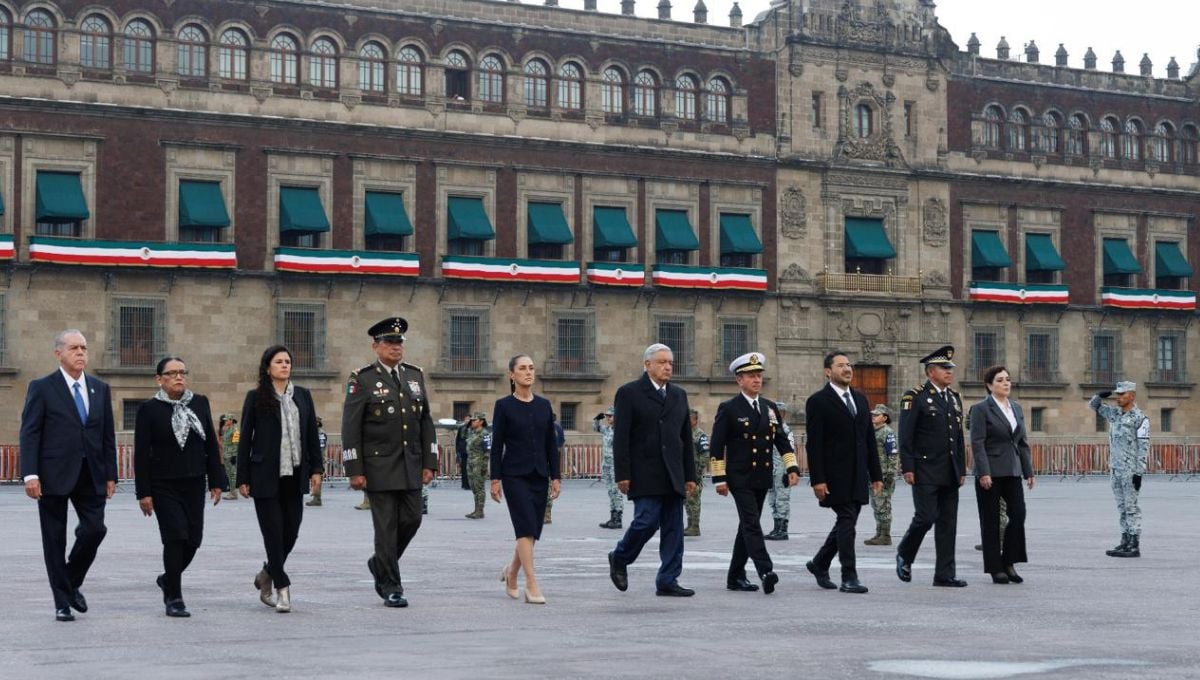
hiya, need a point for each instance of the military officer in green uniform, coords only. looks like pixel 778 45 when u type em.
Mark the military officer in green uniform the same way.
pixel 700 449
pixel 889 458
pixel 389 449
pixel 230 436
pixel 478 453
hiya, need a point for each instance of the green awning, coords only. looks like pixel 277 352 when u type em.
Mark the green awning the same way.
pixel 737 235
pixel 866 238
pixel 1168 261
pixel 548 225
pixel 1118 259
pixel 60 198
pixel 385 215
pixel 300 210
pixel 987 251
pixel 468 220
pixel 202 205
pixel 611 228
pixel 1041 255
pixel 673 231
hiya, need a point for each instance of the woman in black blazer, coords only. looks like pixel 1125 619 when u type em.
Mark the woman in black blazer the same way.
pixel 1001 455
pixel 174 450
pixel 279 458
pixel 525 462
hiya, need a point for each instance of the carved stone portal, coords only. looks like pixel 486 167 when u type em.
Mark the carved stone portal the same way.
pixel 792 208
pixel 936 229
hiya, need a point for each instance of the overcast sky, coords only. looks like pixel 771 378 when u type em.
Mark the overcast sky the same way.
pixel 1162 28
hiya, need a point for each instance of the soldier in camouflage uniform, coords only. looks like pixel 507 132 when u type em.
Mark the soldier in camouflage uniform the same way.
pixel 616 502
pixel 889 461
pixel 1128 451
pixel 230 436
pixel 780 495
pixel 700 450
pixel 478 451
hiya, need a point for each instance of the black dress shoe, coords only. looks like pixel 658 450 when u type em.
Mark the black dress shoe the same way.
pixel 949 583
pixel 77 601
pixel 395 600
pixel 821 576
pixel 742 584
pixel 769 580
pixel 675 590
pixel 617 572
pixel 176 609
pixel 1013 576
pixel 852 586
pixel 63 614
pixel 999 577
pixel 903 568
pixel 375 576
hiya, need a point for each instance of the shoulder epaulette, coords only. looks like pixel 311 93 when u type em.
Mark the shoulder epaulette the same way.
pixel 415 368
pixel 356 371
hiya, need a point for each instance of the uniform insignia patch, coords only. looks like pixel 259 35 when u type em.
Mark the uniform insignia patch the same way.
pixel 391 409
pixel 349 455
pixel 906 405
pixel 415 386
pixel 352 386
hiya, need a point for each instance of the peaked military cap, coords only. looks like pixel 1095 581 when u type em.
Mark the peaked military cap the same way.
pixel 610 411
pixel 1125 386
pixel 392 328
pixel 479 415
pixel 747 363
pixel 942 356
pixel 882 410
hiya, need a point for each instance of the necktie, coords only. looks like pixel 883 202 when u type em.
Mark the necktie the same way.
pixel 396 376
pixel 662 392
pixel 79 405
pixel 849 403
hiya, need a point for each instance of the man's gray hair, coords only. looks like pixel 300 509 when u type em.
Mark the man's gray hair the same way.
pixel 60 338
pixel 655 349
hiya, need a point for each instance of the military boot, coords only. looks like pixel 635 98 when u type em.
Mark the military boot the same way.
pixel 546 518
pixel 773 534
pixel 614 521
pixel 478 514
pixel 693 527
pixel 1131 548
pixel 780 532
pixel 1124 544
pixel 315 501
pixel 883 536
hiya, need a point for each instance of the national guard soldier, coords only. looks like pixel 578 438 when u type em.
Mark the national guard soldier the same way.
pixel 478 452
pixel 881 503
pixel 616 502
pixel 933 461
pixel 700 450
pixel 1128 451
pixel 230 436
pixel 323 444
pixel 745 429
pixel 779 498
pixel 389 449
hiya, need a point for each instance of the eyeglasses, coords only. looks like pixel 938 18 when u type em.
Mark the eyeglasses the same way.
pixel 174 374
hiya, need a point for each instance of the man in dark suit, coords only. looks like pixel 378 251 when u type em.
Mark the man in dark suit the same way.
pixel 69 453
pixel 389 448
pixel 842 462
pixel 933 462
pixel 654 466
pixel 745 432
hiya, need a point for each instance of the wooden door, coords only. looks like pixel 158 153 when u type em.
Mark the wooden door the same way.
pixel 873 382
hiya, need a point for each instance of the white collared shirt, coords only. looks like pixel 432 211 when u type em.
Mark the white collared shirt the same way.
pixel 841 392
pixel 753 401
pixel 1007 409
pixel 83 388
pixel 656 385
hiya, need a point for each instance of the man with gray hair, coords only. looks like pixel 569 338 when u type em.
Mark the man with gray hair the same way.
pixel 655 467
pixel 1128 451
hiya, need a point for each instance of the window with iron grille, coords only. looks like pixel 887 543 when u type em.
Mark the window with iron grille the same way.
pixel 1041 356
pixel 1037 419
pixel 129 411
pixel 678 333
pixel 1169 358
pixel 1164 419
pixel 461 410
pixel 737 338
pixel 1105 358
pixel 987 349
pixel 139 332
pixel 465 345
pixel 300 326
pixel 574 348
pixel 568 415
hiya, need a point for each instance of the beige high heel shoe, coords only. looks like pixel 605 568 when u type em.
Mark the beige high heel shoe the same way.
pixel 534 599
pixel 284 605
pixel 511 592
pixel 262 581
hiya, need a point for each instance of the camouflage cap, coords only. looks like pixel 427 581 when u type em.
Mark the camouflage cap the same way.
pixel 1125 386
pixel 610 411
pixel 882 410
pixel 479 415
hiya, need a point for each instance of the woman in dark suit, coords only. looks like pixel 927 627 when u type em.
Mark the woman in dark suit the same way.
pixel 1001 455
pixel 525 463
pixel 175 450
pixel 279 458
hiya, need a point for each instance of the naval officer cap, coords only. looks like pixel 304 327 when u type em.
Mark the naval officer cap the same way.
pixel 942 356
pixel 748 363
pixel 1125 386
pixel 391 329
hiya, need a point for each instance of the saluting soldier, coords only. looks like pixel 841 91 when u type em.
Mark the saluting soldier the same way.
pixel 933 462
pixel 1128 453
pixel 389 449
pixel 744 432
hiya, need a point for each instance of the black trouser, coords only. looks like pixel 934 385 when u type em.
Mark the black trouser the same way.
pixel 67 572
pixel 179 507
pixel 840 541
pixel 935 506
pixel 996 556
pixel 749 542
pixel 397 516
pixel 279 520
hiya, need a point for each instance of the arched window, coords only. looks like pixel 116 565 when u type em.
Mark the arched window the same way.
pixel 95 43
pixel 323 64
pixel 1018 130
pixel 285 60
pixel 192 52
pixel 1076 137
pixel 372 67
pixel 458 76
pixel 570 87
pixel 716 100
pixel 1188 142
pixel 1131 141
pixel 139 47
pixel 1108 138
pixel 1161 142
pixel 992 119
pixel 687 97
pixel 233 55
pixel 491 79
pixel 1047 138
pixel 537 84
pixel 39 37
pixel 5 35
pixel 863 124
pixel 612 91
pixel 409 72
pixel 645 94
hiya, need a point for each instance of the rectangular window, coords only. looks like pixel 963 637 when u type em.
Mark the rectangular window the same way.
pixel 987 350
pixel 574 344
pixel 818 110
pixel 300 326
pixel 910 121
pixel 1037 419
pixel 1169 358
pixel 1041 356
pixel 1165 417
pixel 737 338
pixel 129 411
pixel 1101 423
pixel 139 332
pixel 569 415
pixel 466 342
pixel 3 332
pixel 1106 358
pixel 678 333
pixel 461 410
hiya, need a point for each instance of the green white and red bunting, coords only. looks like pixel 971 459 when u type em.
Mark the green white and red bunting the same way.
pixel 616 274
pixel 318 261
pixel 1133 298
pixel 132 254
pixel 7 252
pixel 676 276
pixel 1018 294
pixel 509 269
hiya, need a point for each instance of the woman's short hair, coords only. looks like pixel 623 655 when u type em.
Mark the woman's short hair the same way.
pixel 158 370
pixel 990 374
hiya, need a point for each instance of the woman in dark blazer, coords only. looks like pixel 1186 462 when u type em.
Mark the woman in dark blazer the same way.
pixel 175 450
pixel 525 462
pixel 1001 456
pixel 279 458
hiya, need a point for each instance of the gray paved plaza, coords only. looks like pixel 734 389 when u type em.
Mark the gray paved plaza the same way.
pixel 1078 615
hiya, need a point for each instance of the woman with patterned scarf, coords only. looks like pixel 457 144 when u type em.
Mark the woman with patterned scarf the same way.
pixel 176 456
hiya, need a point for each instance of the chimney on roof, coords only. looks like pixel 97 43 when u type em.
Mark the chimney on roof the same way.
pixel 664 9
pixel 1145 65
pixel 973 45
pixel 1060 56
pixel 1031 52
pixel 1002 49
pixel 700 12
pixel 1173 69
pixel 627 7
pixel 1089 60
pixel 1118 63
pixel 735 16
pixel 552 3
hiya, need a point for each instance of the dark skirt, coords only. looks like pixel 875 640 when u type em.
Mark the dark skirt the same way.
pixel 179 506
pixel 526 499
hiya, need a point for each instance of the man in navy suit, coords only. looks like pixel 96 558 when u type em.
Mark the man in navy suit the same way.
pixel 654 465
pixel 69 453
